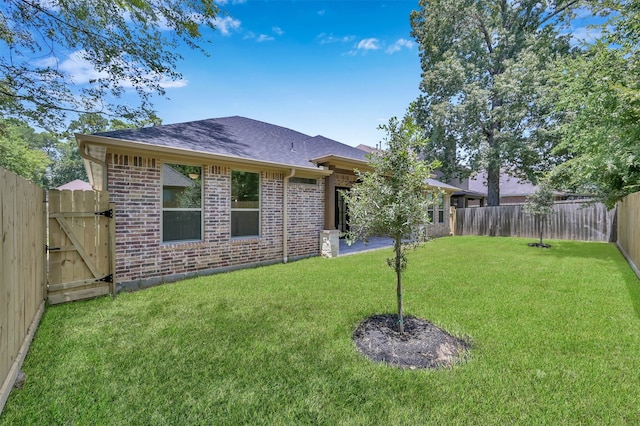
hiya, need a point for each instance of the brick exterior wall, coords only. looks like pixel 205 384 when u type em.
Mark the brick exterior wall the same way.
pixel 142 259
pixel 441 229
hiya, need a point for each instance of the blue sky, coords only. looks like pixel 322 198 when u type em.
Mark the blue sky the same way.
pixel 335 68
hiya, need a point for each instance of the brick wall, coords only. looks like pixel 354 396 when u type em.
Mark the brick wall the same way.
pixel 306 217
pixel 141 257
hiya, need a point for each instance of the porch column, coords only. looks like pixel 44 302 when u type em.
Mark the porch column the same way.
pixel 330 200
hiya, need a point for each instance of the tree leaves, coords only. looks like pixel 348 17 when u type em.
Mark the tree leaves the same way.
pixel 119 46
pixel 483 68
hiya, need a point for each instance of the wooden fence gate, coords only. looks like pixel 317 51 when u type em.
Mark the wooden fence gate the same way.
pixel 81 245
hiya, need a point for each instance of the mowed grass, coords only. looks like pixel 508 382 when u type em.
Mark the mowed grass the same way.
pixel 555 335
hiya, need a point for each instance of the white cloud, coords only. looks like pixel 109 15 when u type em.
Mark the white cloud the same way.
pixel 264 37
pixel 585 34
pixel 324 38
pixel 80 71
pixel 277 30
pixel 399 45
pixel 173 84
pixel 369 44
pixel 226 25
pixel 224 2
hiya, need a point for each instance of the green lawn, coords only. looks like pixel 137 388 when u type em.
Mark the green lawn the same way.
pixel 555 334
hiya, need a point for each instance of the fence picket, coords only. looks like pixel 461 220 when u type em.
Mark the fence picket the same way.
pixel 583 222
pixel 22 272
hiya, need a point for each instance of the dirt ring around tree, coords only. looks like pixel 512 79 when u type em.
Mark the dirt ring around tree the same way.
pixel 422 346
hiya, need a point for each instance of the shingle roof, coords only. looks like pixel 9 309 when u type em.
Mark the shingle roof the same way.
pixel 172 177
pixel 240 137
pixel 76 185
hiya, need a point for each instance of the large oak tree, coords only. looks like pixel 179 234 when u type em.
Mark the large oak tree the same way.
pixel 483 65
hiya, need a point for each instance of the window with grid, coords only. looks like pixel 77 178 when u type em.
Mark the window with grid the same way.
pixel 245 204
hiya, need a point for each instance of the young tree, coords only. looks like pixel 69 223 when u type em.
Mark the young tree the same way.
pixel 121 44
pixel 483 65
pixel 540 205
pixel 391 199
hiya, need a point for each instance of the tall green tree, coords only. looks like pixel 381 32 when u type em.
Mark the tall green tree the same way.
pixel 391 199
pixel 120 45
pixel 23 151
pixel 482 75
pixel 67 162
pixel 597 95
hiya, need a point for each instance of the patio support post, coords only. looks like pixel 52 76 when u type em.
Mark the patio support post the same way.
pixel 330 200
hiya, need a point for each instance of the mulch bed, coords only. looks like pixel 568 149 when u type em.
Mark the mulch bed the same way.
pixel 541 245
pixel 422 346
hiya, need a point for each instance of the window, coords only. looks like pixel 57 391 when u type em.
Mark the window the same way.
pixel 436 204
pixel 305 181
pixel 245 204
pixel 181 203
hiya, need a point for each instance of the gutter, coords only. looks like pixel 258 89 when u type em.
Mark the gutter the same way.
pixel 84 153
pixel 285 216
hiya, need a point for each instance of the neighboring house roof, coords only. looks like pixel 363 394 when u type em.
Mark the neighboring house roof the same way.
pixel 76 185
pixel 509 186
pixel 172 177
pixel 440 185
pixel 367 148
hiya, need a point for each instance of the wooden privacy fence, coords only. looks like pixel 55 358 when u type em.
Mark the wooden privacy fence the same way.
pixel 81 245
pixel 582 222
pixel 22 272
pixel 629 230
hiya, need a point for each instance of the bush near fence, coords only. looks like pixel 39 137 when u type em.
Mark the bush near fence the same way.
pixel 22 272
pixel 582 222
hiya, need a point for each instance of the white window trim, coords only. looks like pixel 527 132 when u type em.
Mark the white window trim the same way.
pixel 173 209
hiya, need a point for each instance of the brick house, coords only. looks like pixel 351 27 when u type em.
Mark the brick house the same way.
pixel 211 195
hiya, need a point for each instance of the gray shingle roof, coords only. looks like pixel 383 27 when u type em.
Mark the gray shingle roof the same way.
pixel 240 137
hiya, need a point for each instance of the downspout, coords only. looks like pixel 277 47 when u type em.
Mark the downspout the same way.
pixel 84 153
pixel 285 216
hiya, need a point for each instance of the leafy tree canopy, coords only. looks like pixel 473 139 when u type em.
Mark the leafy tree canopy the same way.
pixel 23 151
pixel 596 93
pixel 483 65
pixel 122 45
pixel 67 162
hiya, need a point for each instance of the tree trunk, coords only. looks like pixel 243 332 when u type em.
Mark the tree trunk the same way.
pixel 541 229
pixel 493 186
pixel 398 268
pixel 494 161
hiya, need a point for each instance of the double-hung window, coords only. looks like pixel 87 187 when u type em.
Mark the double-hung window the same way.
pixel 436 206
pixel 181 203
pixel 245 204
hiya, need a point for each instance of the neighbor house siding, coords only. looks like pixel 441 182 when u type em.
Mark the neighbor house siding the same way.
pixel 141 257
